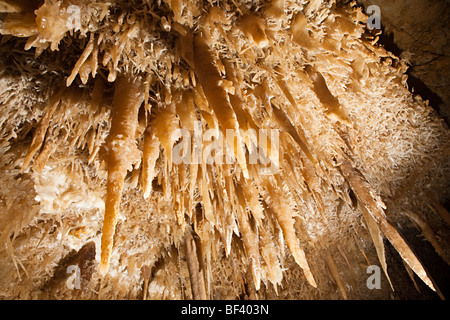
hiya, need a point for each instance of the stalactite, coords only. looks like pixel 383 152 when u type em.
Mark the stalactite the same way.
pixel 284 217
pixel 377 238
pixel 335 274
pixel 209 77
pixel 195 273
pixel 121 145
pixel 366 196
pixel 41 130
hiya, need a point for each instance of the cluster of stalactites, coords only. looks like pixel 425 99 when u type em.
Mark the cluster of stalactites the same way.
pixel 230 70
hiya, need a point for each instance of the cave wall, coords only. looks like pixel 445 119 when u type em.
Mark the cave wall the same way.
pixel 418 31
